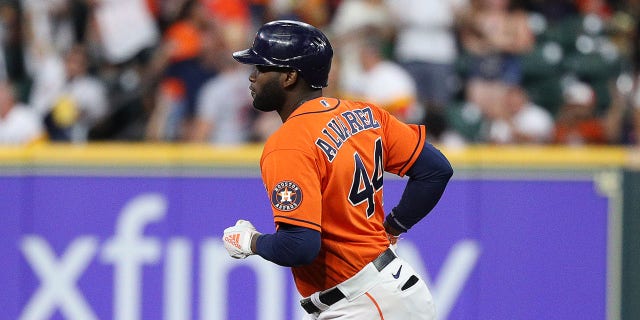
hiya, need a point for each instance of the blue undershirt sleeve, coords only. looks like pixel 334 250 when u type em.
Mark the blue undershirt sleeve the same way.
pixel 428 178
pixel 290 246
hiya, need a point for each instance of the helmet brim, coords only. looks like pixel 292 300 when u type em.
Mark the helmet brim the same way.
pixel 249 56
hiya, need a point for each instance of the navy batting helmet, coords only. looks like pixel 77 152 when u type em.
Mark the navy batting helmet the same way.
pixel 291 44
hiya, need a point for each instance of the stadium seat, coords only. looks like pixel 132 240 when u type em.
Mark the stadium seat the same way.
pixel 565 32
pixel 464 120
pixel 591 66
pixel 546 93
pixel 542 62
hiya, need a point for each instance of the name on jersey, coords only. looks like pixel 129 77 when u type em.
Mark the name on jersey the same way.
pixel 340 128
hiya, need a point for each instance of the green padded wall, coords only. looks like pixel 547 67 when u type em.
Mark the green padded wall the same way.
pixel 631 247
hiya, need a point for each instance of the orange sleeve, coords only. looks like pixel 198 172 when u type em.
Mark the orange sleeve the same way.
pixel 293 185
pixel 403 143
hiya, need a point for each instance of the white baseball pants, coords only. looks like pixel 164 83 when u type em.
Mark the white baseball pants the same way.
pixel 385 298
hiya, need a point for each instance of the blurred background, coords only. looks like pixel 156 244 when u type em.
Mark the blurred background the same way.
pixel 128 143
pixel 475 71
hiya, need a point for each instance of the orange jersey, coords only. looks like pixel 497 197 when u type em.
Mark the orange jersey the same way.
pixel 323 170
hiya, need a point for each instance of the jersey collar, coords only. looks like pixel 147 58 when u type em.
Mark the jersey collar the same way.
pixel 317 105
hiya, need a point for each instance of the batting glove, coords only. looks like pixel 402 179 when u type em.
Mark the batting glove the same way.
pixel 237 239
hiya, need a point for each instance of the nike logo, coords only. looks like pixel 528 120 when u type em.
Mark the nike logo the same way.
pixel 397 274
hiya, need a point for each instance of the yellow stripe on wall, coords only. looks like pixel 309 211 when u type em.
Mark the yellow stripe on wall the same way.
pixel 148 154
pixel 123 154
pixel 542 156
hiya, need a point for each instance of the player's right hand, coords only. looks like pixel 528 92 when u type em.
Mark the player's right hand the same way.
pixel 237 239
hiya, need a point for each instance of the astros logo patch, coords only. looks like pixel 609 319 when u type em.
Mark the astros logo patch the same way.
pixel 286 196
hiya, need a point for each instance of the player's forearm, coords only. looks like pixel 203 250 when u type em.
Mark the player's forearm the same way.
pixel 291 246
pixel 429 177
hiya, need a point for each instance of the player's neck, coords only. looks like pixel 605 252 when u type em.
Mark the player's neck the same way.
pixel 296 101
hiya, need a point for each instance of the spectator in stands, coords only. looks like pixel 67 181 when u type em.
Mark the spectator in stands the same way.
pixel 70 99
pixel 185 60
pixel 426 47
pixel 385 83
pixel 553 10
pixel 12 65
pixel 64 92
pixel 120 59
pixel 494 36
pixel 181 39
pixel 353 21
pixel 19 123
pixel 122 29
pixel 576 121
pixel 234 19
pixel 520 121
pixel 601 8
pixel 51 28
pixel 314 12
pixel 223 108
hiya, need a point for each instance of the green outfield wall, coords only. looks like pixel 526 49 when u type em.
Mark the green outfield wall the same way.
pixel 631 246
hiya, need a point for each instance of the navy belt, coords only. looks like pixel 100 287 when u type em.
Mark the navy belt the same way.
pixel 334 295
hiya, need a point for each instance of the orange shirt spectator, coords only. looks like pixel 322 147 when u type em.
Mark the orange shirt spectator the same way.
pixel 234 19
pixel 598 7
pixel 229 10
pixel 577 122
pixel 183 37
pixel 588 131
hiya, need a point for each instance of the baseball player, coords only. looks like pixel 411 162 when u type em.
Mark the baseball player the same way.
pixel 323 171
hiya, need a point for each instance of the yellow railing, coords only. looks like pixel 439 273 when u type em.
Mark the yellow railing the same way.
pixel 148 154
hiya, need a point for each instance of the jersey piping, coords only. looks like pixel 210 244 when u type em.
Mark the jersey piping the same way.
pixel 415 150
pixel 320 111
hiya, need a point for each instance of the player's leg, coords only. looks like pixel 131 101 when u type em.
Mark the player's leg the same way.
pixel 399 294
pixel 309 317
pixel 402 294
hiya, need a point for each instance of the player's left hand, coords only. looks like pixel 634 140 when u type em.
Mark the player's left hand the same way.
pixel 393 235
pixel 393 240
pixel 237 239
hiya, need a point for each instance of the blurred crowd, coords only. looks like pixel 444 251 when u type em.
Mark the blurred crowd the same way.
pixel 474 71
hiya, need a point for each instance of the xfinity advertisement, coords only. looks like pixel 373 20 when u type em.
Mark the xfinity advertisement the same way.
pixel 148 247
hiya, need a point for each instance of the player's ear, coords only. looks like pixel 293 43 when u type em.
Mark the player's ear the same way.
pixel 290 78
